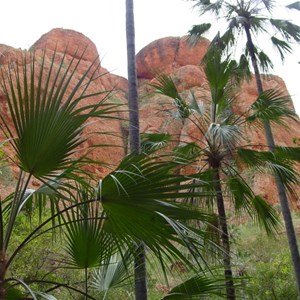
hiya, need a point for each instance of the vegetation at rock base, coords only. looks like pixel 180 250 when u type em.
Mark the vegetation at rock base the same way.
pixel 266 268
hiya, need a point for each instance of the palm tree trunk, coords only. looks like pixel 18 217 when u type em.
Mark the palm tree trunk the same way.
pixel 140 273
pixel 283 199
pixel 134 141
pixel 134 130
pixel 230 290
pixel 3 261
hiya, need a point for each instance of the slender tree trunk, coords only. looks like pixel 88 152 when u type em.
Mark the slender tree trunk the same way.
pixel 283 199
pixel 225 241
pixel 3 261
pixel 140 273
pixel 134 141
pixel 134 127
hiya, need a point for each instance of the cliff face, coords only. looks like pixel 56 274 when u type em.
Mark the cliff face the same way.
pixel 171 55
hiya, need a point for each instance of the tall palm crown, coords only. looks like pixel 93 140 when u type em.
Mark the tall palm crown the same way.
pixel 253 18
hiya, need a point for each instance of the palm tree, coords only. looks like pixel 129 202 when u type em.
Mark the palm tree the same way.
pixel 249 17
pixel 220 143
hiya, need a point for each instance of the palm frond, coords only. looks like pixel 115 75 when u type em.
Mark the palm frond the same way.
pixel 205 6
pixel 216 44
pixel 273 163
pixel 48 122
pixel 244 67
pixel 255 206
pixel 186 153
pixel 206 176
pixel 167 87
pixel 237 22
pixel 266 216
pixel 113 274
pixel 272 106
pixel 287 29
pixel 27 288
pixel 222 76
pixel 197 32
pixel 258 24
pixel 138 198
pixel 196 287
pixel 265 62
pixel 281 46
pixel 269 5
pixel 88 245
pixel 294 5
pixel 288 153
pixel 153 141
pixel 228 38
pixel 223 136
pixel 195 105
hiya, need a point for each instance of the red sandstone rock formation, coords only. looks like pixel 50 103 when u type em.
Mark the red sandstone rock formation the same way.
pixel 166 55
pixel 171 55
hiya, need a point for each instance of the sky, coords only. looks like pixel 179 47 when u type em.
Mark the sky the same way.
pixel 103 21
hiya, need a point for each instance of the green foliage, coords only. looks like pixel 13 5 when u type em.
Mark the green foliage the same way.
pixel 40 259
pixel 199 285
pixel 135 202
pixel 296 141
pixel 273 279
pixel 272 106
pixel 266 264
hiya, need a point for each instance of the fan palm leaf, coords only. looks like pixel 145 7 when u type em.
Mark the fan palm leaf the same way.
pixel 88 245
pixel 139 199
pixel 272 105
pixel 196 287
pixel 47 121
pixel 252 205
pixel 116 273
pixel 167 87
pixel 279 162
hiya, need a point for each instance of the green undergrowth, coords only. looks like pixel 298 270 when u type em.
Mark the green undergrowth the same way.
pixel 261 263
pixel 265 263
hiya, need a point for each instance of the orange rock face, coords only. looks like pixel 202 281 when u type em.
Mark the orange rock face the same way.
pixel 167 55
pixel 72 42
pixel 171 55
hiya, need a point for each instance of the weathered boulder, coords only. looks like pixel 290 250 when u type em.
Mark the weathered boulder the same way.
pixel 167 55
